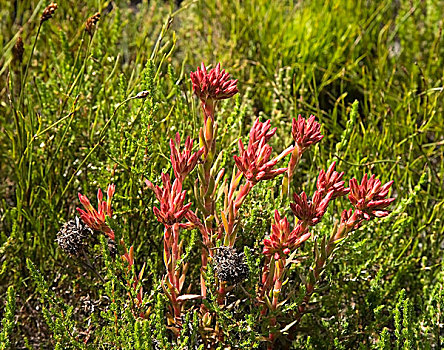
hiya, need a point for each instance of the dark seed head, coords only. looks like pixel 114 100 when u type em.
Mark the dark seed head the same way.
pixel 73 236
pixel 18 50
pixel 48 12
pixel 230 266
pixel 91 23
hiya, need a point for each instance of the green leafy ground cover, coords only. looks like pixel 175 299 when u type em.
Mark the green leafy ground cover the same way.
pixel 68 124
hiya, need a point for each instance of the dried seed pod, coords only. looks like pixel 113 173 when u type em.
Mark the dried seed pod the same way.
pixel 48 12
pixel 73 237
pixel 18 50
pixel 230 266
pixel 142 94
pixel 91 22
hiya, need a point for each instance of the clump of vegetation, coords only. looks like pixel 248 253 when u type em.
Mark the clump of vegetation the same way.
pixel 222 242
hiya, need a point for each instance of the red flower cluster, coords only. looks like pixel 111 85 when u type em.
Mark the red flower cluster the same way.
pixel 369 197
pixel 183 163
pixel 368 200
pixel 310 212
pixel 282 241
pixel 332 181
pixel 95 219
pixel 171 198
pixel 306 133
pixel 214 84
pixel 350 220
pixel 329 186
pixel 254 162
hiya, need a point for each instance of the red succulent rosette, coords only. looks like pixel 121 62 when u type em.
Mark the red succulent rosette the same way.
pixel 283 240
pixel 171 197
pixel 183 162
pixel 331 180
pixel 310 211
pixel 254 162
pixel 95 219
pixel 329 186
pixel 214 84
pixel 369 197
pixel 306 132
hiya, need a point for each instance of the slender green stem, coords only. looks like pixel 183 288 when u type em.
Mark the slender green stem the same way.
pixel 71 88
pixel 101 139
pixel 22 87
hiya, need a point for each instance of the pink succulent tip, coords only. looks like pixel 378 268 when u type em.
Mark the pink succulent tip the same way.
pixel 171 197
pixel 282 240
pixel 96 219
pixel 306 132
pixel 369 197
pixel 254 162
pixel 213 84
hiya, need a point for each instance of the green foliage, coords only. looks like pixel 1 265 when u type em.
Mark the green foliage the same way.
pixel 8 320
pixel 70 123
pixel 57 314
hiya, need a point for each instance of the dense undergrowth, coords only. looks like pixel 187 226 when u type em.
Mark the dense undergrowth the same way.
pixel 69 123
